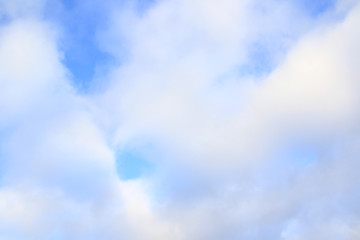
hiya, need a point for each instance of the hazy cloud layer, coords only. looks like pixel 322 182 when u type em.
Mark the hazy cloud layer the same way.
pixel 246 111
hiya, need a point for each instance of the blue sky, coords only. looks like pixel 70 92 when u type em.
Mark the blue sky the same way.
pixel 179 119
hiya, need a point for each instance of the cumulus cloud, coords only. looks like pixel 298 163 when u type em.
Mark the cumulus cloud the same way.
pixel 248 111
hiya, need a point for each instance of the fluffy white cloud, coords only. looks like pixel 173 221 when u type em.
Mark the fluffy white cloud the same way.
pixel 30 67
pixel 187 98
pixel 188 93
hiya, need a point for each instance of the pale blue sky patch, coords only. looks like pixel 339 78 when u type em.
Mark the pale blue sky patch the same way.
pixel 301 155
pixel 260 62
pixel 80 23
pixel 315 8
pixel 134 162
pixel 3 19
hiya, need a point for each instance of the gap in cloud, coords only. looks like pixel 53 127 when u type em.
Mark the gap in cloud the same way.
pixel 315 8
pixel 69 4
pixel 80 23
pixel 85 63
pixel 4 19
pixel 134 162
pixel 259 62
pixel 263 56
pixel 300 155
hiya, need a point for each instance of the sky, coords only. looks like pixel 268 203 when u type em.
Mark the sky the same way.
pixel 179 119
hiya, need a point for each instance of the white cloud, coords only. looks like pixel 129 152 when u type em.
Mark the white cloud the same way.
pixel 29 66
pixel 219 130
pixel 168 91
pixel 184 90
